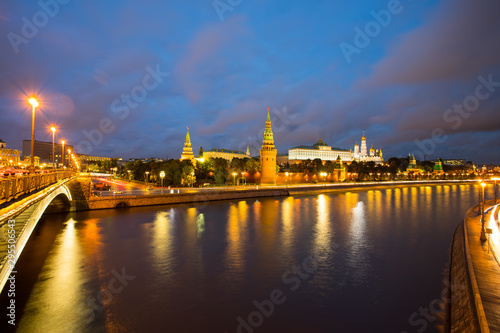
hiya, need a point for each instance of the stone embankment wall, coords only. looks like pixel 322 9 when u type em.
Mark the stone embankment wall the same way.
pixel 186 198
pixel 461 309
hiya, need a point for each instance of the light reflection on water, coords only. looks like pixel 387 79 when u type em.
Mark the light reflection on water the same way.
pixel 381 254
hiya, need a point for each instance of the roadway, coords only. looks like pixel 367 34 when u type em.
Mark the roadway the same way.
pixel 485 267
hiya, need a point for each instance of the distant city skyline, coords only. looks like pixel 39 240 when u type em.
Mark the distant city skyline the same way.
pixel 125 79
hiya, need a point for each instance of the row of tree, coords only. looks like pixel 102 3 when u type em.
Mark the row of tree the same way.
pixel 220 171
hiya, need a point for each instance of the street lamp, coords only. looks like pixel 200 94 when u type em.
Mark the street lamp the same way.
pixel 483 234
pixel 480 181
pixel 34 103
pixel 147 176
pixel 286 179
pixel 495 179
pixel 234 178
pixel 162 175
pixel 324 177
pixel 53 129
pixel 128 175
pixel 62 154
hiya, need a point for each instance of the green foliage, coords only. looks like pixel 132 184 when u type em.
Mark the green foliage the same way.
pixel 252 165
pixel 188 176
pixel 220 174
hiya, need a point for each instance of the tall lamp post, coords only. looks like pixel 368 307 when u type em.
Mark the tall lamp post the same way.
pixel 286 179
pixel 243 178
pixel 234 178
pixel 483 233
pixel 69 158
pixel 147 176
pixel 324 176
pixel 62 153
pixel 162 175
pixel 34 103
pixel 480 181
pixel 495 179
pixel 53 129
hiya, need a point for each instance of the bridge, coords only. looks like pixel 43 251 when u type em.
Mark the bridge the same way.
pixel 23 201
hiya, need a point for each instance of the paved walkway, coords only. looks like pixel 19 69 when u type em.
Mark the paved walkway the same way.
pixel 486 270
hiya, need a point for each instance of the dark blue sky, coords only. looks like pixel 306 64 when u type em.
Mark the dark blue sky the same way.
pixel 139 72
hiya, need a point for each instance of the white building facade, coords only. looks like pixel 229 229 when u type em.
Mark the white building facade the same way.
pixel 319 150
pixel 362 154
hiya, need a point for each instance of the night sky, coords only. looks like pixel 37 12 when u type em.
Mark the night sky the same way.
pixel 418 77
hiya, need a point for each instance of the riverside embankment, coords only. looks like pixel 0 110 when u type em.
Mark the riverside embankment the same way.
pixel 204 195
pixel 474 296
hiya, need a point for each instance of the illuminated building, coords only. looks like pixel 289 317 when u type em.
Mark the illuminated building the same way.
pixel 187 151
pixel 44 151
pixel 9 156
pixel 438 167
pixel 362 155
pixel 225 154
pixel 412 166
pixel 454 162
pixel 319 150
pixel 339 171
pixel 268 155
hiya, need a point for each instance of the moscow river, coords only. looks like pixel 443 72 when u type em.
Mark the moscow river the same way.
pixel 354 261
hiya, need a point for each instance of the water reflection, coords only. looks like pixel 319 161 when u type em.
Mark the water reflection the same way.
pixel 235 239
pixel 57 296
pixel 200 224
pixel 287 230
pixel 322 228
pixel 162 231
pixel 359 250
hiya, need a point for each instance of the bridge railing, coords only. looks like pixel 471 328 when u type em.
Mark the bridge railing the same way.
pixel 14 186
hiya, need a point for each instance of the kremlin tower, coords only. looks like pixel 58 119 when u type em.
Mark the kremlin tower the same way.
pixel 268 155
pixel 363 145
pixel 187 151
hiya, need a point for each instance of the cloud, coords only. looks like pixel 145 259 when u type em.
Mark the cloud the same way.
pixel 207 59
pixel 459 41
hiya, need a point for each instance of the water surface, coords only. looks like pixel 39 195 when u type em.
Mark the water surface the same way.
pixel 359 261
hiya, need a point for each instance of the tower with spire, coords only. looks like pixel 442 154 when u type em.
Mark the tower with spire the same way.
pixel 438 167
pixel 362 154
pixel 187 151
pixel 356 149
pixel 363 145
pixel 268 155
